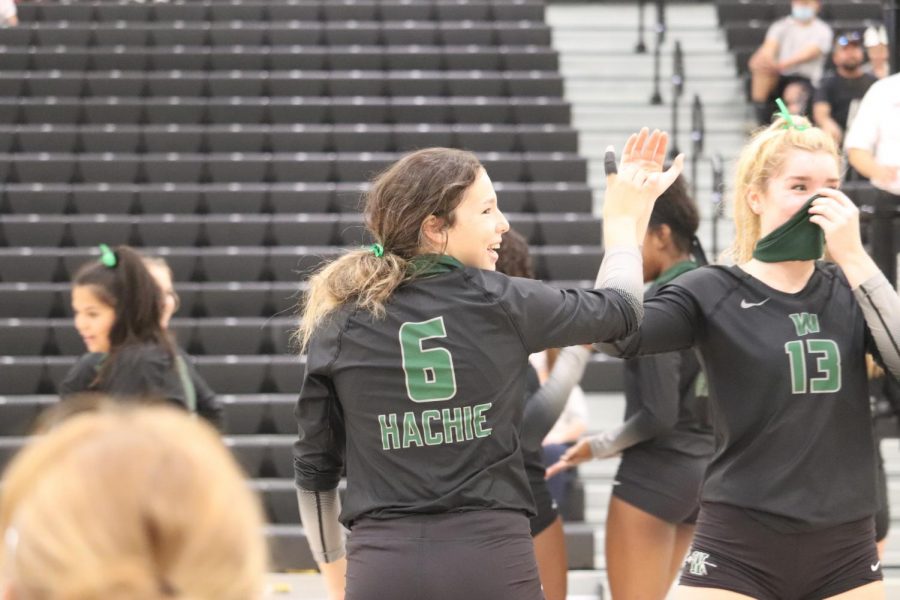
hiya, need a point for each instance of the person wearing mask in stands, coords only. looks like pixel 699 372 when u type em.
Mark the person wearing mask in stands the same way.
pixel 790 61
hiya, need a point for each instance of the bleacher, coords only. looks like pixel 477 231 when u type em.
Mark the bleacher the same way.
pixel 234 138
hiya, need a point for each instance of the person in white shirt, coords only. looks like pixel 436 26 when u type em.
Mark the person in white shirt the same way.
pixel 873 141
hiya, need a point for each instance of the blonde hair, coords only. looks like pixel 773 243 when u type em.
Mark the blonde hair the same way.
pixel 761 160
pixel 424 183
pixel 130 503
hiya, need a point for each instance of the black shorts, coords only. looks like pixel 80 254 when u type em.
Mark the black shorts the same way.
pixel 547 511
pixel 476 555
pixel 733 551
pixel 662 483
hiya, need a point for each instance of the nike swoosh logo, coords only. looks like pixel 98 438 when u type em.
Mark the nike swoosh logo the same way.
pixel 745 304
pixel 875 566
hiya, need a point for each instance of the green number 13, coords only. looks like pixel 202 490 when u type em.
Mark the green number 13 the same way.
pixel 429 373
pixel 828 365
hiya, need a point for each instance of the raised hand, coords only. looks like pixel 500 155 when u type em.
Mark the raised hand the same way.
pixel 575 455
pixel 640 180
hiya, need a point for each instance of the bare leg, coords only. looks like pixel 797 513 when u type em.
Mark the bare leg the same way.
pixel 684 534
pixel 639 552
pixel 870 591
pixel 553 564
pixel 762 84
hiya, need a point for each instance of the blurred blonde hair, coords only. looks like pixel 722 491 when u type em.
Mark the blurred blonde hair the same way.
pixel 760 161
pixel 130 503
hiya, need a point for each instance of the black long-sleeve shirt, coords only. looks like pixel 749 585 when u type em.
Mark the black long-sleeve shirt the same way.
pixel 423 406
pixel 144 370
pixel 787 381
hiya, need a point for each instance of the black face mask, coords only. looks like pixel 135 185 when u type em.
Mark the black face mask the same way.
pixel 796 239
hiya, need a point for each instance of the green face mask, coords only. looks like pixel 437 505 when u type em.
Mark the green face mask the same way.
pixel 796 239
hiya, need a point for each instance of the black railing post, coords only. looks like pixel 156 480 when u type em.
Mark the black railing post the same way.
pixel 656 98
pixel 698 133
pixel 641 47
pixel 677 91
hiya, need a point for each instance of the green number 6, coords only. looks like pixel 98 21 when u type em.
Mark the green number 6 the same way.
pixel 429 373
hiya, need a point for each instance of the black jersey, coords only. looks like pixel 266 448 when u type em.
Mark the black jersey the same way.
pixel 143 370
pixel 423 406
pixel 787 382
pixel 661 394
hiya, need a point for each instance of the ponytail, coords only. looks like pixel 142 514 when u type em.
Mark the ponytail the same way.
pixel 359 277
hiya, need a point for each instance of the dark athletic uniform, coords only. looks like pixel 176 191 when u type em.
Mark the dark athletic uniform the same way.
pixel 146 370
pixel 422 407
pixel 790 493
pixel 546 508
pixel 668 437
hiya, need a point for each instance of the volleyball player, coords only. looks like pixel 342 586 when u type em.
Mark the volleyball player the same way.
pixel 787 502
pixel 118 310
pixel 665 440
pixel 416 354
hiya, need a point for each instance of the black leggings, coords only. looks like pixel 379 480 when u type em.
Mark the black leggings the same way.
pixel 476 555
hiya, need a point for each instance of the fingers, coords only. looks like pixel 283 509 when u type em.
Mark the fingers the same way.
pixel 636 147
pixel 659 156
pixel 556 468
pixel 628 150
pixel 837 195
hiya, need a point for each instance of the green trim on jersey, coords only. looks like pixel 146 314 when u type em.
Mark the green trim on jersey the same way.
pixel 674 271
pixel 429 265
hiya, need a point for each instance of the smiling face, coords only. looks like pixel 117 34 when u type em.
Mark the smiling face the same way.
pixel 801 175
pixel 478 227
pixel 93 318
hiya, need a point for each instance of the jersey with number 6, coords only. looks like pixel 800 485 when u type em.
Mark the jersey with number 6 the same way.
pixel 422 407
pixel 787 383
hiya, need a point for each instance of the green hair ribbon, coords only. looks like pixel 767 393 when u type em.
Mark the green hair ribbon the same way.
pixel 786 115
pixel 377 250
pixel 108 257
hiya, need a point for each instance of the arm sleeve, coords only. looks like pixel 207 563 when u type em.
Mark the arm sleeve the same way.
pixel 671 320
pixel 319 512
pixel 622 271
pixel 881 309
pixel 658 377
pixel 547 403
pixel 547 317
pixel 319 448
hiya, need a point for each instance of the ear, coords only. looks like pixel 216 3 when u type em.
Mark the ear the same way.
pixel 755 202
pixel 434 232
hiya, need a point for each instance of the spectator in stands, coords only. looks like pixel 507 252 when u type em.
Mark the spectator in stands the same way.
pixel 416 359
pixel 130 503
pixel 876 41
pixel 790 61
pixel 118 310
pixel 8 14
pixel 873 140
pixel 839 93
pixel 207 405
pixel 544 401
pixel 666 441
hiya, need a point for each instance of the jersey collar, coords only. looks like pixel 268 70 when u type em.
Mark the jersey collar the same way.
pixel 429 265
pixel 674 271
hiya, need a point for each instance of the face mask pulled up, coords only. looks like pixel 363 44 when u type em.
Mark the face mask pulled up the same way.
pixel 795 239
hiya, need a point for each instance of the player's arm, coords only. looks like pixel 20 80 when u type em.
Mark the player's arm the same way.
pixel 671 319
pixel 658 377
pixel 805 54
pixel 318 462
pixel 544 407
